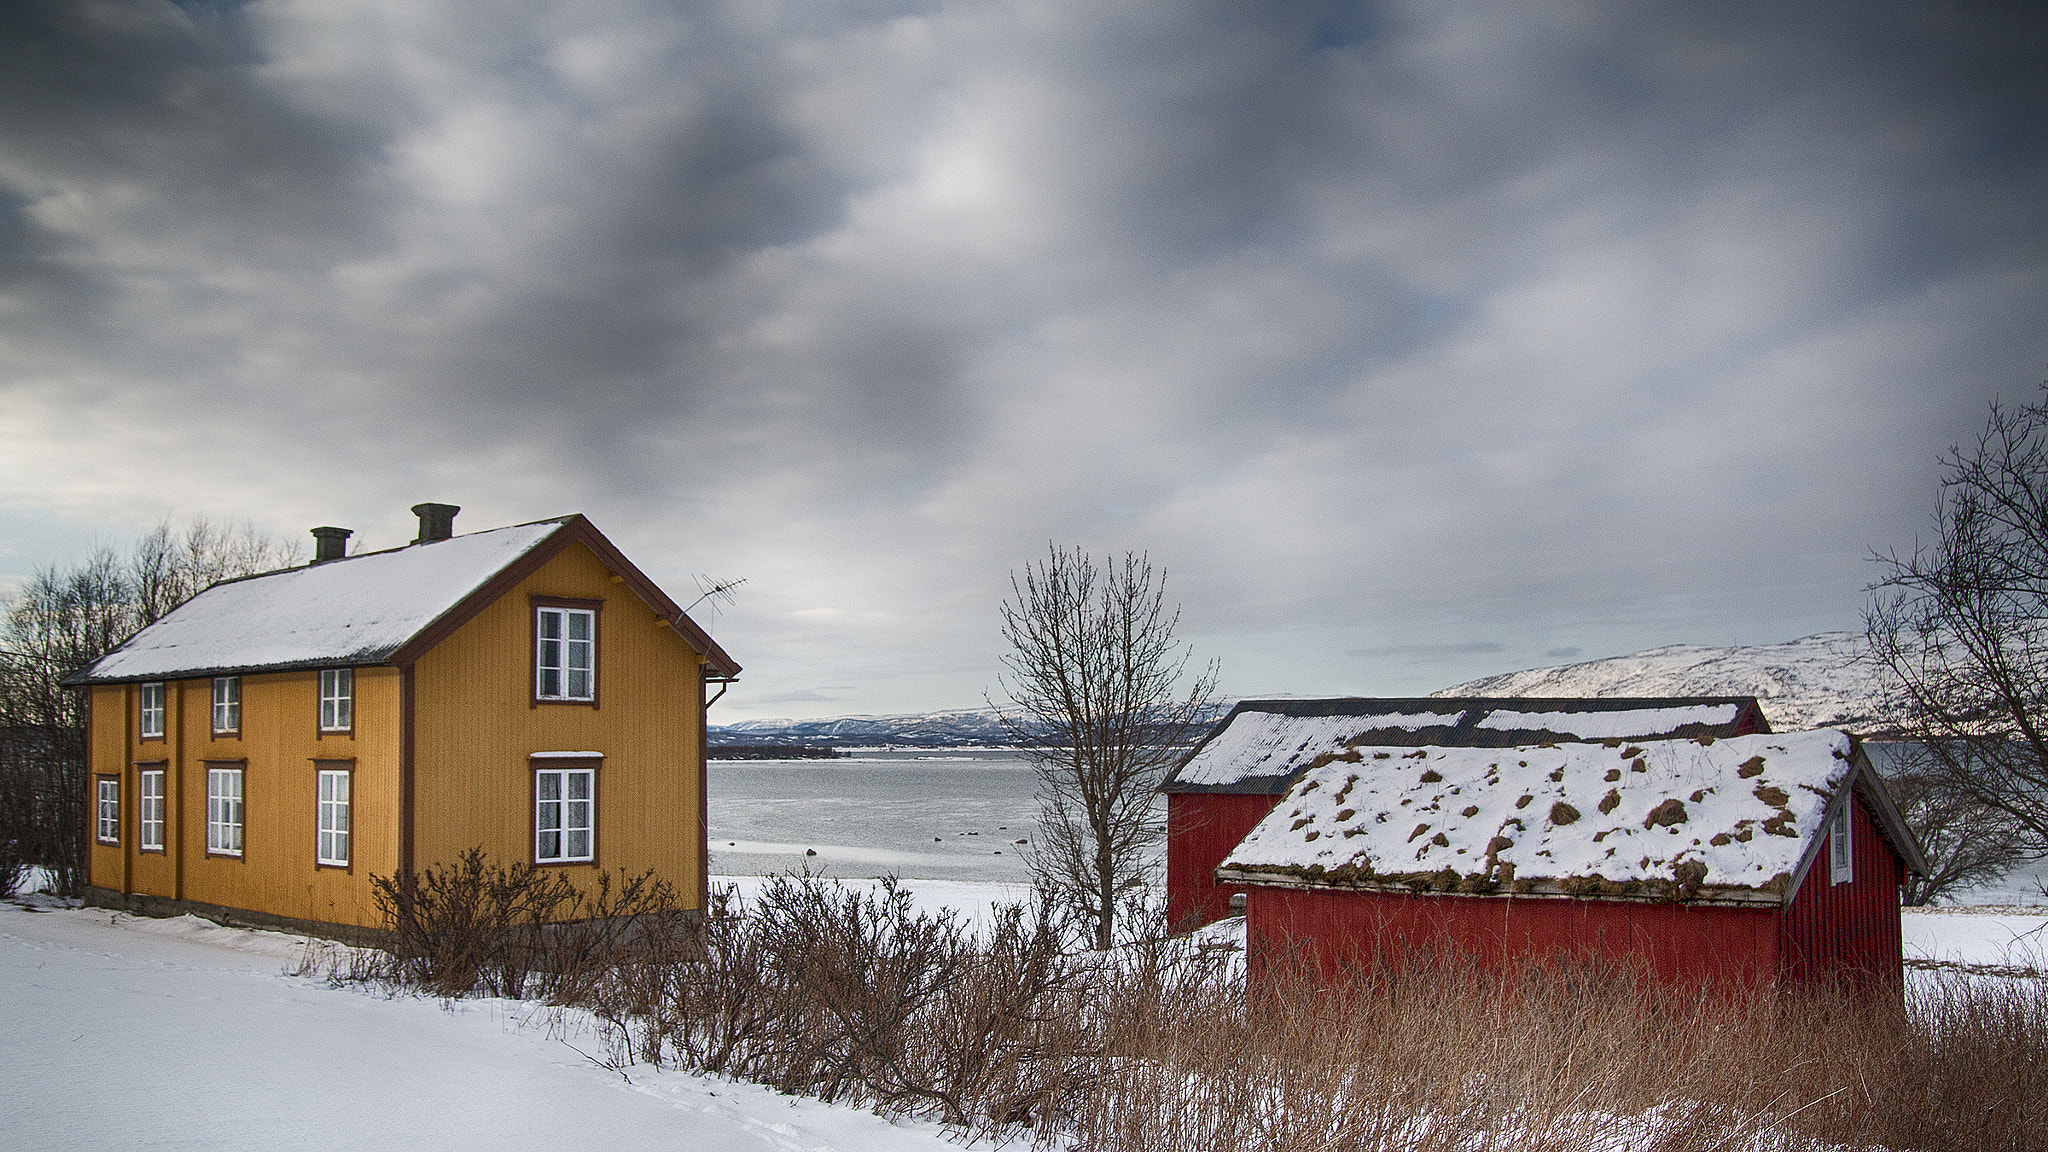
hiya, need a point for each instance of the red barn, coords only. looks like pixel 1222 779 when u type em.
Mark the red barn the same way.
pixel 1765 859
pixel 1235 776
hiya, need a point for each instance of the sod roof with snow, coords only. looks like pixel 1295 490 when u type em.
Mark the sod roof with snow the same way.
pixel 1263 744
pixel 1702 820
pixel 353 611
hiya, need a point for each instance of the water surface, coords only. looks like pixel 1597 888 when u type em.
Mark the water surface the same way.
pixel 938 814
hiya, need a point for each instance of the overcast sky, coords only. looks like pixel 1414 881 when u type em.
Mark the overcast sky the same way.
pixel 1416 341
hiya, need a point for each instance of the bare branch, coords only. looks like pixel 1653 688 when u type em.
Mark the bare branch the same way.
pixel 1101 698
pixel 1960 627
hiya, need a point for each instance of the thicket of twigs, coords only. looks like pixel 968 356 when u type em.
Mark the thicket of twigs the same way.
pixel 850 995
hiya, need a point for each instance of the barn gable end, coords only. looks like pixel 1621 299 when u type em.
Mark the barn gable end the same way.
pixel 1623 849
pixel 1257 752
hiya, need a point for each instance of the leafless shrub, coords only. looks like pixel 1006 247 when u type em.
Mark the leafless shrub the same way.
pixel 519 930
pixel 14 863
pixel 850 994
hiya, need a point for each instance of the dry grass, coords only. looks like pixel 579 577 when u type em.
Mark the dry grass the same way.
pixel 849 995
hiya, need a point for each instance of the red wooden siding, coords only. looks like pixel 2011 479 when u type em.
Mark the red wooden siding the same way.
pixel 1201 830
pixel 1848 931
pixel 1682 944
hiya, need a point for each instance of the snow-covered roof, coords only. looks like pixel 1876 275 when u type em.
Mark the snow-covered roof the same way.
pixel 1263 744
pixel 352 611
pixel 1701 820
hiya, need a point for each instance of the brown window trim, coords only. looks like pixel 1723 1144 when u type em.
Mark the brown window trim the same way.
pixel 206 765
pixel 165 735
pixel 596 608
pixel 335 764
pixel 99 780
pixel 163 766
pixel 348 733
pixel 534 766
pixel 234 733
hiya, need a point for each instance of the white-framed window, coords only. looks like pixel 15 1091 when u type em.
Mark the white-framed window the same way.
pixel 565 654
pixel 1841 844
pixel 564 815
pixel 331 845
pixel 150 721
pixel 108 827
pixel 224 811
pixel 227 704
pixel 337 699
pixel 149 824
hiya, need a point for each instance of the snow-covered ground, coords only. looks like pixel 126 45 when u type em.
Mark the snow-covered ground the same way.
pixel 121 1030
pixel 118 1031
pixel 1991 941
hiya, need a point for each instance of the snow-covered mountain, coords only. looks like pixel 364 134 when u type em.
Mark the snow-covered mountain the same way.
pixel 1820 681
pixel 958 728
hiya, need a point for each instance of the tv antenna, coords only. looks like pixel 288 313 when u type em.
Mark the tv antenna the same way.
pixel 716 591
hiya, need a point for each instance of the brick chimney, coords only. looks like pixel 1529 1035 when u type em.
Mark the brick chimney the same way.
pixel 437 521
pixel 330 544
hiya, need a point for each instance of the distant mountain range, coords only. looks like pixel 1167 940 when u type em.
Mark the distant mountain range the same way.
pixel 1817 682
pixel 1811 683
pixel 959 728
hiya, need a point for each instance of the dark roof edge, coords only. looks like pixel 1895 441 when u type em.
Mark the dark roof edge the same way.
pixel 1539 890
pixel 1463 706
pixel 1336 705
pixel 360 660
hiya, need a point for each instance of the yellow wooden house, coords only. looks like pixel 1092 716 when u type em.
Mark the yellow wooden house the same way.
pixel 262 751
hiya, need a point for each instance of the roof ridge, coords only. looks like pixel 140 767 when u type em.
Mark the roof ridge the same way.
pixel 245 624
pixel 311 564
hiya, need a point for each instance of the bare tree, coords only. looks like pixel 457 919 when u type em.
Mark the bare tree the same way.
pixel 63 619
pixel 1966 841
pixel 169 567
pixel 1097 699
pixel 1960 626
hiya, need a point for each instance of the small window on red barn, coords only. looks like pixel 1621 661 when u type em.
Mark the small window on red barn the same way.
pixel 1841 858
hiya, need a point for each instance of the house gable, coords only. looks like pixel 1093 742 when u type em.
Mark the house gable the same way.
pixel 477 728
pixel 574 530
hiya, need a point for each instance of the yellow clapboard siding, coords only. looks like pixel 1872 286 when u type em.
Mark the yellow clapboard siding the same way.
pixel 475 726
pixel 279 743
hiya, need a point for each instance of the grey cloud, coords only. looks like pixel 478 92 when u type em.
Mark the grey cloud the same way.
pixel 1374 323
pixel 1470 648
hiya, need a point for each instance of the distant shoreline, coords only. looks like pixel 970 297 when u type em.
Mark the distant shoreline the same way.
pixel 772 752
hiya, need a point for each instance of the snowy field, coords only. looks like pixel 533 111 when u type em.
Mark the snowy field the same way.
pixel 124 1031
pixel 117 1030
